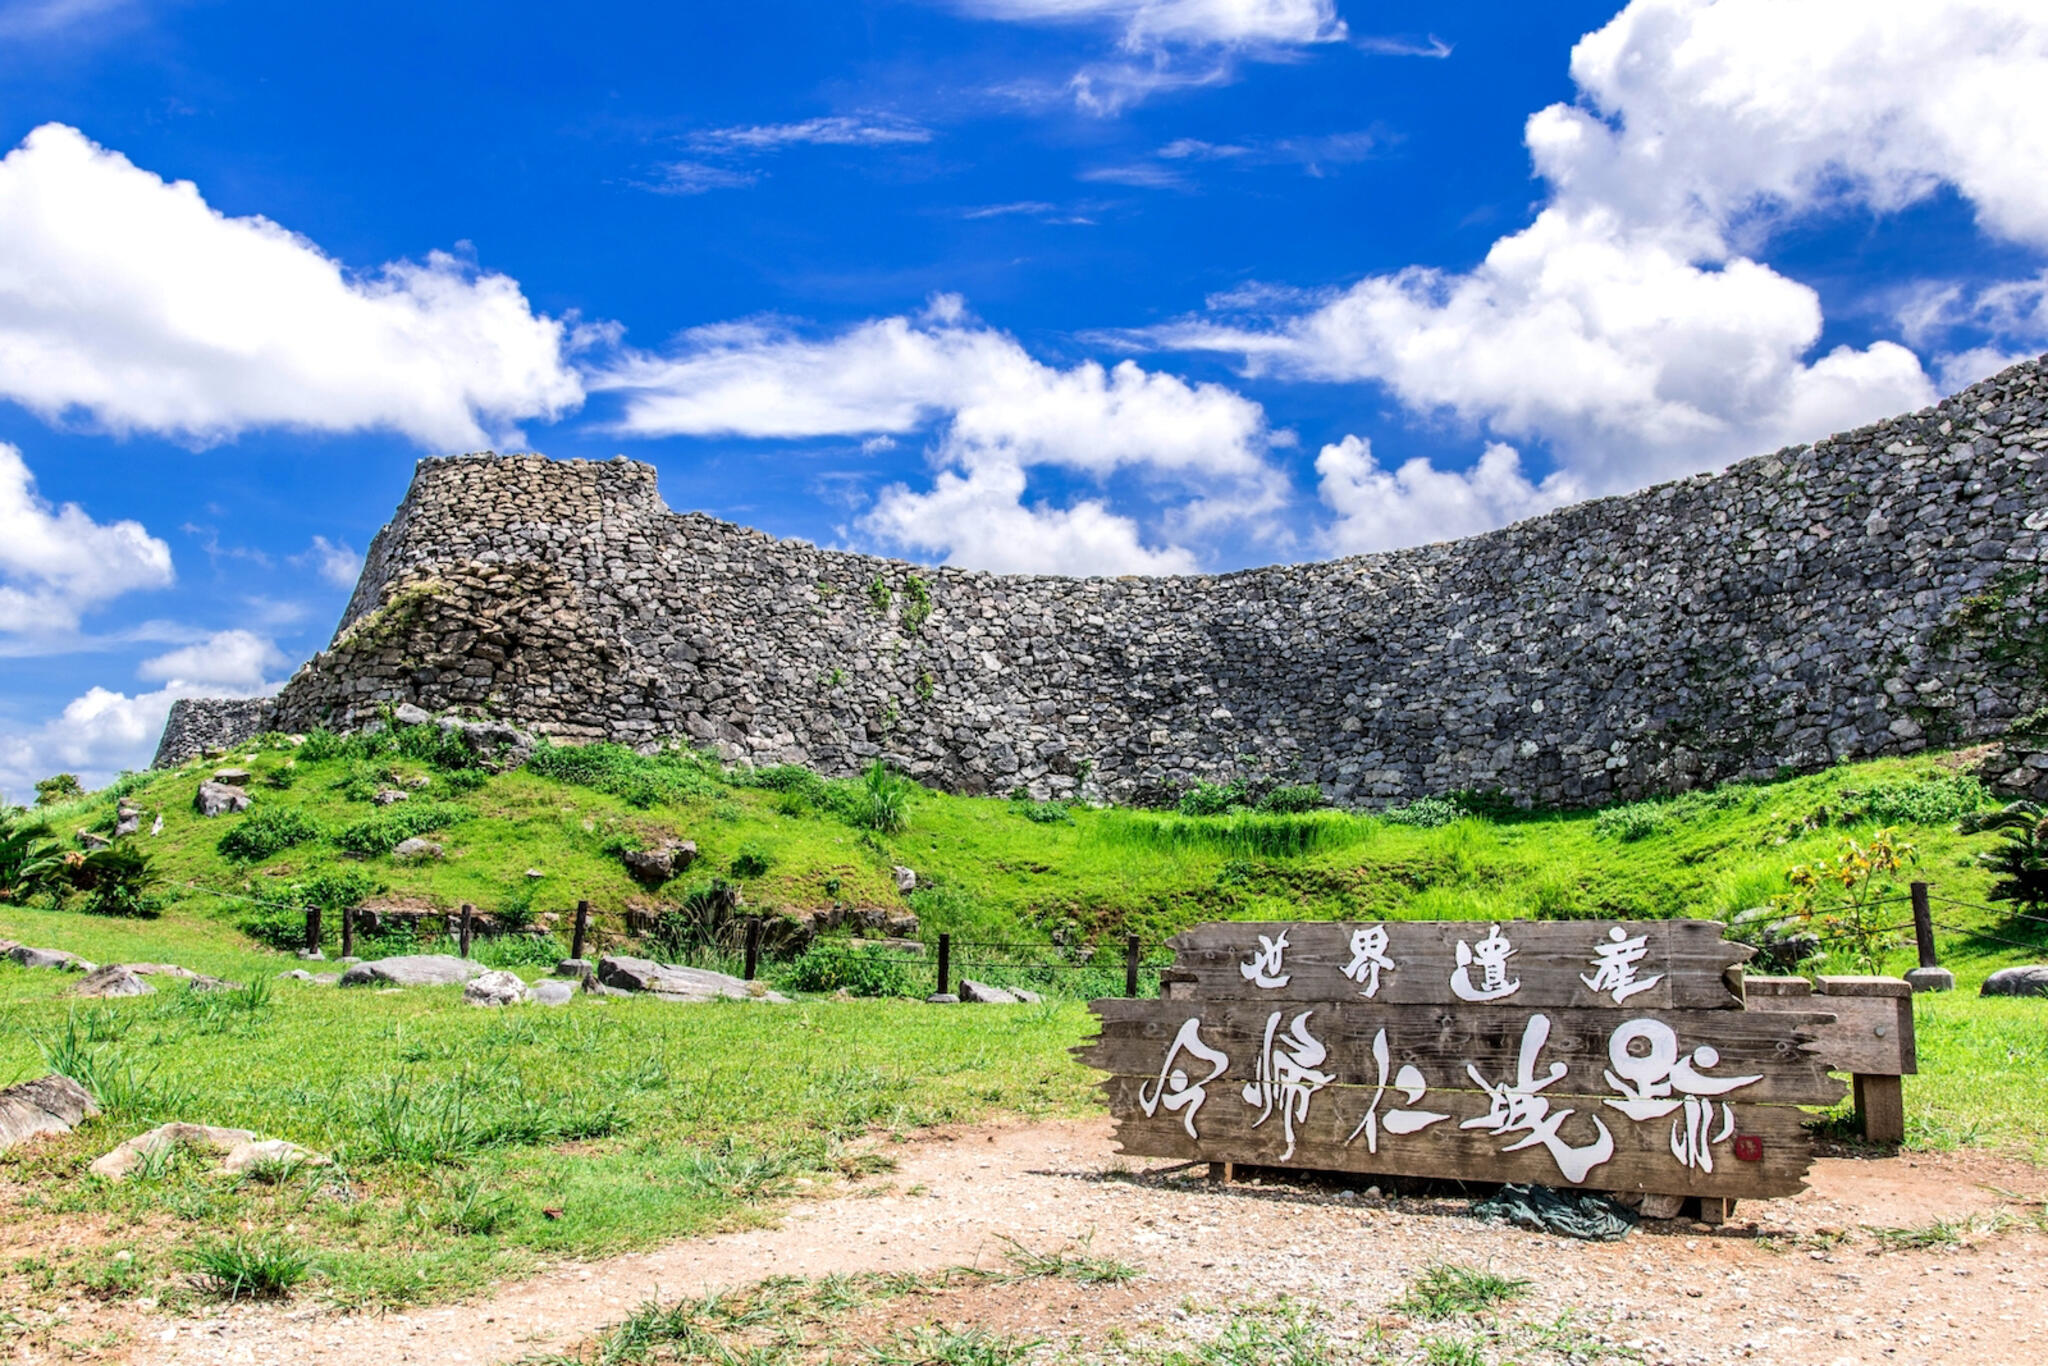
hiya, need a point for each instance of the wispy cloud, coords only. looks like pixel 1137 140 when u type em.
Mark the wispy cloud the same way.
pixel 837 130
pixel 1316 155
pixel 1393 45
pixel 1025 207
pixel 699 177
pixel 730 158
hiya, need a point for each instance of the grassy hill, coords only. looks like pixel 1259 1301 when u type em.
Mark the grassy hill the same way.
pixel 536 840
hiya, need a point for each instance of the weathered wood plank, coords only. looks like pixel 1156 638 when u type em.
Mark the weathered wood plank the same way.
pixel 1641 1157
pixel 1137 1036
pixel 1869 1034
pixel 1552 964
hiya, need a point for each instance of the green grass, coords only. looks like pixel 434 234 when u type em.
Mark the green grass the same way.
pixel 471 1144
pixel 1447 1289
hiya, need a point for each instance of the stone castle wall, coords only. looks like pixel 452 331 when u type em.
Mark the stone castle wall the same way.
pixel 1871 594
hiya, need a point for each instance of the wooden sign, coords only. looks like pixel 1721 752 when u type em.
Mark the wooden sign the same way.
pixel 1611 1056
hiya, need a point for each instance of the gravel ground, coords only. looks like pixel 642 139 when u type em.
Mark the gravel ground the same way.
pixel 1800 1280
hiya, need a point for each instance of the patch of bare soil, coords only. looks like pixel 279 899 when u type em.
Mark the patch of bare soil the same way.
pixel 1804 1280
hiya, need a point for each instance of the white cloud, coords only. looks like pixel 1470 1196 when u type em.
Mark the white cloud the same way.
pixel 337 562
pixel 994 411
pixel 1173 44
pixel 834 131
pixel 57 562
pixel 1381 509
pixel 104 732
pixel 1629 327
pixel 233 662
pixel 132 303
pixel 980 518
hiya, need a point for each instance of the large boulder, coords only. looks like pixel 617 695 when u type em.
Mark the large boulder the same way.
pixel 24 956
pixel 232 777
pixel 47 1105
pixel 414 970
pixel 2027 980
pixel 553 992
pixel 495 989
pixel 416 850
pixel 219 799
pixel 677 983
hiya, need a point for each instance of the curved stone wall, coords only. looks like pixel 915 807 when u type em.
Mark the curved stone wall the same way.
pixel 1869 594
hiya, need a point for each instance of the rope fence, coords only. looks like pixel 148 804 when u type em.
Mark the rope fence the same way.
pixel 1013 963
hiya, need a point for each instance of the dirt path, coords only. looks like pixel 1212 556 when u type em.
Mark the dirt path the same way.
pixel 1798 1294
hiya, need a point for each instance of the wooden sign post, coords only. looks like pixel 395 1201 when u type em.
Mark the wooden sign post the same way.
pixel 1615 1057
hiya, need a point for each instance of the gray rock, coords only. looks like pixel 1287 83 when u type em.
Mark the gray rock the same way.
pixel 2027 980
pixel 389 796
pixel 551 993
pixel 406 714
pixel 89 841
pixel 573 967
pixel 132 979
pixel 942 998
pixel 495 989
pixel 156 827
pixel 128 824
pixel 47 1105
pixel 981 993
pixel 219 799
pixel 906 879
pixel 115 979
pixel 416 850
pixel 1931 979
pixel 24 956
pixel 414 970
pixel 232 777
pixel 237 1150
pixel 674 983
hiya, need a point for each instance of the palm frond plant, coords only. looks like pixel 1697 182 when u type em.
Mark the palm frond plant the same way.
pixel 29 861
pixel 2020 858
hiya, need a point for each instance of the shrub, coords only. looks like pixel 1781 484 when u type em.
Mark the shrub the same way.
pixel 281 778
pixel 1425 813
pixel 1934 800
pixel 704 924
pixel 1211 799
pixel 322 745
pixel 58 789
pixel 858 970
pixel 119 880
pixel 669 775
pixel 751 861
pixel 1043 813
pixel 382 833
pixel 270 831
pixel 2020 860
pixel 1635 821
pixel 1288 800
pixel 29 861
pixel 882 801
pixel 461 781
pixel 282 924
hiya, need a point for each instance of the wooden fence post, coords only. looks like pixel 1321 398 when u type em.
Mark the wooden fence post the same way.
pixel 1131 968
pixel 348 932
pixel 467 911
pixel 312 929
pixel 753 945
pixel 945 963
pixel 582 928
pixel 1930 975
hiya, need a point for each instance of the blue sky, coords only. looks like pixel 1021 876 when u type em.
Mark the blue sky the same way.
pixel 1055 285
